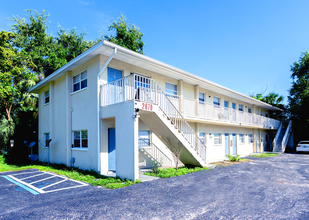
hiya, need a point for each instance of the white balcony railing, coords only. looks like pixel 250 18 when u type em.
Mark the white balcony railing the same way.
pixel 218 113
pixel 147 90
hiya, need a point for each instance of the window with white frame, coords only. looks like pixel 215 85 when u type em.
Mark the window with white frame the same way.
pixel 46 98
pixel 241 139
pixel 217 138
pixel 249 110
pixel 202 137
pixel 171 90
pixel 216 101
pixel 80 139
pixel 144 139
pixel 241 108
pixel 46 137
pixel 80 81
pixel 250 140
pixel 201 98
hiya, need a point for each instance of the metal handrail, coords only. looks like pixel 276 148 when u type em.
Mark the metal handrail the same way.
pixel 137 87
pixel 154 146
pixel 233 115
pixel 286 135
pixel 277 135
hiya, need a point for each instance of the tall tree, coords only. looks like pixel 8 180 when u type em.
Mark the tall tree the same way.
pixel 15 80
pixel 273 99
pixel 72 42
pixel 299 96
pixel 127 35
pixel 47 52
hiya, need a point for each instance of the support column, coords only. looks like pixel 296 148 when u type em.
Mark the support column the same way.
pixel 254 140
pixel 197 128
pixel 69 110
pixel 196 97
pixel 180 94
pixel 261 148
pixel 51 118
pixel 126 141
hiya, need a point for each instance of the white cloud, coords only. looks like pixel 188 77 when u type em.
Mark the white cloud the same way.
pixel 84 2
pixel 5 24
pixel 102 21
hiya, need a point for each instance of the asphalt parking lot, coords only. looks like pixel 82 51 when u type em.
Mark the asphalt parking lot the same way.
pixel 264 188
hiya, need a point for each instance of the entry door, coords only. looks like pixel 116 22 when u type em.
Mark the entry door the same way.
pixel 234 111
pixel 234 144
pixel 226 110
pixel 113 75
pixel 226 144
pixel 111 149
pixel 115 88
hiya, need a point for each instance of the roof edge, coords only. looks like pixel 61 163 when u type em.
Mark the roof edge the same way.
pixel 76 59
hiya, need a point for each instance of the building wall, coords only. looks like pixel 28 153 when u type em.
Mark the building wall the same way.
pixel 44 124
pixel 80 109
pixel 217 152
pixel 84 116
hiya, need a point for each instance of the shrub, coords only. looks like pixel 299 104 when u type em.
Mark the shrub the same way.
pixel 155 166
pixel 234 158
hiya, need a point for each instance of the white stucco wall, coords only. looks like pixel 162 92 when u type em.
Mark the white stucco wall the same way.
pixel 84 117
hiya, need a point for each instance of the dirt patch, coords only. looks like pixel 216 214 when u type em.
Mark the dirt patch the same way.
pixel 228 163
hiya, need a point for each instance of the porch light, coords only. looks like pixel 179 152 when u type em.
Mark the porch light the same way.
pixel 12 143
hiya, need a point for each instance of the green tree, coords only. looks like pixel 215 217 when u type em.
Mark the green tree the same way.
pixel 299 97
pixel 15 80
pixel 72 42
pixel 127 35
pixel 47 52
pixel 276 100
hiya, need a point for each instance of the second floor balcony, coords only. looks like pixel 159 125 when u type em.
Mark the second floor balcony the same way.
pixel 196 110
pixel 139 88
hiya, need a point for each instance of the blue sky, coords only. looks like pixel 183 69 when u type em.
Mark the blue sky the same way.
pixel 247 46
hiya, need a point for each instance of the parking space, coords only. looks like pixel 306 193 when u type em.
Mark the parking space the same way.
pixel 39 182
pixel 263 188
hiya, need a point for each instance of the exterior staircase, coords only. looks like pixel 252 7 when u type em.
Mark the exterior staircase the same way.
pixel 154 153
pixel 159 114
pixel 282 137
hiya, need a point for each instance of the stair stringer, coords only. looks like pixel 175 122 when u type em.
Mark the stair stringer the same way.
pixel 159 124
pixel 280 145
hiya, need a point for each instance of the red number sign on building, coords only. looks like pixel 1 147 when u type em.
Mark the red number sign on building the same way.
pixel 147 106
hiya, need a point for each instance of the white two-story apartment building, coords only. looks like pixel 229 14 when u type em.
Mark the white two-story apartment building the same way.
pixel 112 109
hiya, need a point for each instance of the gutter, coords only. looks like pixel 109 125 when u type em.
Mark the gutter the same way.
pixel 98 105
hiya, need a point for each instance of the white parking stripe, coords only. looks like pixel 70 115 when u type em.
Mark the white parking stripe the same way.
pixel 24 172
pixel 32 176
pixel 43 179
pixel 40 190
pixel 53 184
pixel 66 188
pixel 26 184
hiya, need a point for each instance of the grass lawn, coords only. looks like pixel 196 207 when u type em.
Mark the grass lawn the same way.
pixel 90 177
pixel 265 155
pixel 170 172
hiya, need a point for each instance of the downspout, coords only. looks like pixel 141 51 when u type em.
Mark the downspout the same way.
pixel 98 106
